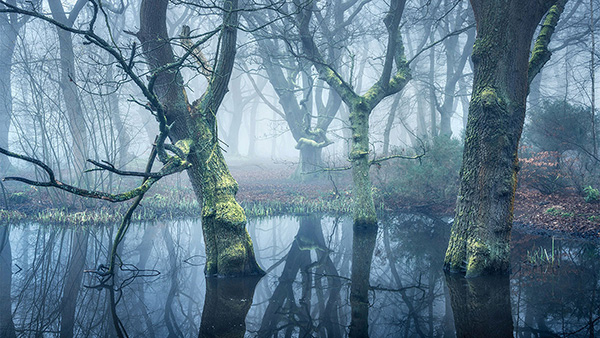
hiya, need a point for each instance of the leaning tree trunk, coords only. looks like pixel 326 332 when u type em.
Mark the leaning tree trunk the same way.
pixel 229 250
pixel 480 240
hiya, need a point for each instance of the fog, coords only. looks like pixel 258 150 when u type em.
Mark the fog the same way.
pixel 436 114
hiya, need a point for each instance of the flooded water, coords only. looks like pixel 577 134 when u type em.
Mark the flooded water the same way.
pixel 324 280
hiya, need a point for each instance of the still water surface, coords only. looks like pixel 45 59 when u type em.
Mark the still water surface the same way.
pixel 324 280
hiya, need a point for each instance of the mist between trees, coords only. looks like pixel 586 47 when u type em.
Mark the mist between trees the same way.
pixel 96 95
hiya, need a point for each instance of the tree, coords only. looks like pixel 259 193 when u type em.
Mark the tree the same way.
pixel 68 86
pixel 456 61
pixel 10 25
pixel 480 240
pixel 292 79
pixel 228 246
pixel 191 127
pixel 360 106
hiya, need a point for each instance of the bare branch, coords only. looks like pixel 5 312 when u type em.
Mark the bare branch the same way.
pixel 174 165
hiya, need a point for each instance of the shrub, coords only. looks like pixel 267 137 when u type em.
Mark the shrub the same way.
pixel 559 126
pixel 591 194
pixel 542 171
pixel 433 179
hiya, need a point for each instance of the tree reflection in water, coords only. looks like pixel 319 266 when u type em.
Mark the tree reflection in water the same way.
pixel 226 305
pixel 363 245
pixel 325 279
pixel 481 305
pixel 7 327
pixel 289 308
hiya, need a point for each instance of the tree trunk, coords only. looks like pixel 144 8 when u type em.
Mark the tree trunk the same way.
pixel 390 124
pixel 364 206
pixel 229 250
pixel 8 39
pixel 432 97
pixel 421 124
pixel 252 131
pixel 72 101
pixel 464 101
pixel 236 116
pixel 234 132
pixel 225 307
pixel 480 240
pixel 310 163
pixel 123 138
pixel 535 92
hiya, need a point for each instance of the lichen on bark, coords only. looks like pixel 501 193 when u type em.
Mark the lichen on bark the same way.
pixel 480 239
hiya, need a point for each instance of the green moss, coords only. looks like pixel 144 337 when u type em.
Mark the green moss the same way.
pixel 230 213
pixel 489 97
pixel 481 48
pixel 185 145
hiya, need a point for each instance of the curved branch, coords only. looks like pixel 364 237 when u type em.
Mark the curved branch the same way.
pixel 174 165
pixel 541 54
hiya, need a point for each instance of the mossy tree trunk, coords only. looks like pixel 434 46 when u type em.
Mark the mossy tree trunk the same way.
pixel 480 239
pixel 310 162
pixel 228 246
pixel 360 106
pixel 364 206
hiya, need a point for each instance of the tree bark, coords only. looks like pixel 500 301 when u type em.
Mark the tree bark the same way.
pixel 229 250
pixel 361 106
pixel 9 28
pixel 225 307
pixel 480 240
pixel 390 124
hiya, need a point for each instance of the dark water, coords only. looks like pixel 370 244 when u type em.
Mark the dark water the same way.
pixel 324 280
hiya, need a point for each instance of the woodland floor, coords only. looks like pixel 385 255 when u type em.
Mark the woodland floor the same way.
pixel 267 190
pixel 566 213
